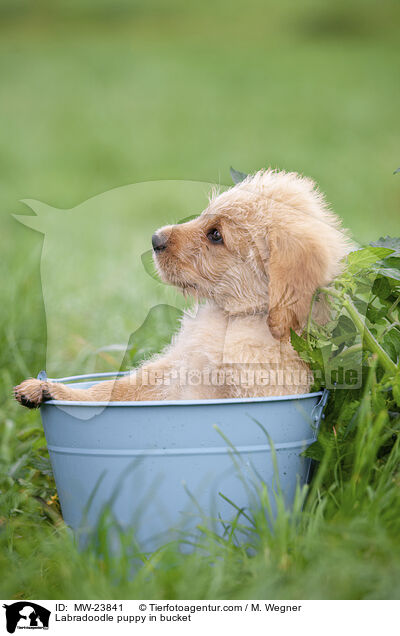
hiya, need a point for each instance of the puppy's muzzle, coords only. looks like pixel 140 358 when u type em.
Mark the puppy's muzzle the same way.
pixel 159 241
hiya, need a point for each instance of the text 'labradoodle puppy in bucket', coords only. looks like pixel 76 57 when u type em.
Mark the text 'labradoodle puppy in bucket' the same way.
pixel 255 256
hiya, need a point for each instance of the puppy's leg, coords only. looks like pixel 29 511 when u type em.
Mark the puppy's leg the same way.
pixel 147 383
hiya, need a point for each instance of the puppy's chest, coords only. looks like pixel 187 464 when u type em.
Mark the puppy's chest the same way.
pixel 218 340
pixel 220 357
pixel 252 343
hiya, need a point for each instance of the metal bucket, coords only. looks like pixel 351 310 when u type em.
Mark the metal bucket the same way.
pixel 162 467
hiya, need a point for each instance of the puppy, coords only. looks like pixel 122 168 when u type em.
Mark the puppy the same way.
pixel 253 259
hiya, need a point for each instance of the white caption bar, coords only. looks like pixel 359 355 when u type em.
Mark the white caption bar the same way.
pixel 192 617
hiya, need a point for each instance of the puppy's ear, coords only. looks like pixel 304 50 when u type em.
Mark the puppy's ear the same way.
pixel 297 265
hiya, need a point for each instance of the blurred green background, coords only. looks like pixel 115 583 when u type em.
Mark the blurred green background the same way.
pixel 96 94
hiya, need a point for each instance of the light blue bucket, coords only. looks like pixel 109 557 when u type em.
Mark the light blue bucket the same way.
pixel 164 466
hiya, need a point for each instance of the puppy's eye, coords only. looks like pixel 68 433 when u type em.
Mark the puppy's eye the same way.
pixel 215 236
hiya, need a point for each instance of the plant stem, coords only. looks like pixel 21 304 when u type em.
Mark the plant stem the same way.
pixel 372 344
pixel 392 308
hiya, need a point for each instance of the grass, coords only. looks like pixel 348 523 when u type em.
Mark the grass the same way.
pixel 344 544
pixel 95 96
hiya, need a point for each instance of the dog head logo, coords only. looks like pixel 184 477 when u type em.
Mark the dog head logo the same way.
pixel 91 270
pixel 26 615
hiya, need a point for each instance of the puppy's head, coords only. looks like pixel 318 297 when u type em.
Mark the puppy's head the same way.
pixel 264 245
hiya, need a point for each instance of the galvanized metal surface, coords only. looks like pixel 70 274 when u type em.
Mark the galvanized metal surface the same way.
pixel 161 465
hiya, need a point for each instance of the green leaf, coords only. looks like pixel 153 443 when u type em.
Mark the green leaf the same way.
pixel 237 176
pixel 382 286
pixel 361 305
pixel 298 343
pixel 391 343
pixel 392 261
pixel 389 272
pixel 392 243
pixel 344 332
pixel 315 451
pixel 375 315
pixel 364 258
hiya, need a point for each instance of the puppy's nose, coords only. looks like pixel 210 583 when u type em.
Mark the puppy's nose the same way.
pixel 159 241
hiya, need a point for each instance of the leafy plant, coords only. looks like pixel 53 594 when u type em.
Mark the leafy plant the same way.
pixel 356 355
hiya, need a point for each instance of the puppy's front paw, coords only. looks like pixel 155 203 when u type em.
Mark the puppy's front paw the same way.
pixel 32 393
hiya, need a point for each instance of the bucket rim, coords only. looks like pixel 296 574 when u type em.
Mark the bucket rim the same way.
pixel 215 401
pixel 101 377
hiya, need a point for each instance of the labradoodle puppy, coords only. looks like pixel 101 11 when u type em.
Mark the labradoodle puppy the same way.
pixel 254 258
